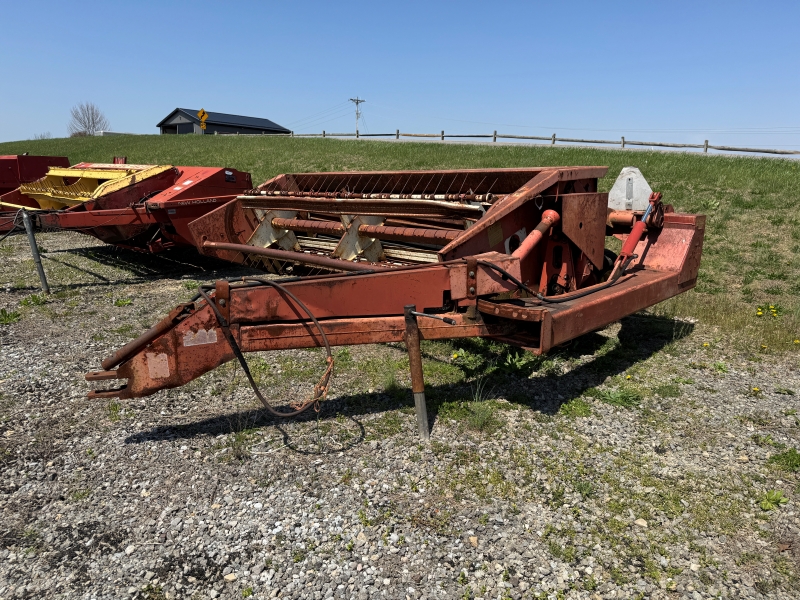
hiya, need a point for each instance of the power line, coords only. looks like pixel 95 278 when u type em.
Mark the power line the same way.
pixel 325 119
pixel 357 101
pixel 322 113
pixel 775 130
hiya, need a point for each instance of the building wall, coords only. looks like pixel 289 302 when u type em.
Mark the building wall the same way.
pixel 181 124
pixel 212 128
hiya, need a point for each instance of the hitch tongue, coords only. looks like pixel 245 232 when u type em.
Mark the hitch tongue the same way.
pixel 104 376
pixel 101 375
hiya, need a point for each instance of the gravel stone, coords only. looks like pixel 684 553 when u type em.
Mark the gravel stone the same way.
pixel 196 493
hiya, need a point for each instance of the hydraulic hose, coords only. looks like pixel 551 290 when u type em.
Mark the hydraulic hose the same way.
pixel 320 390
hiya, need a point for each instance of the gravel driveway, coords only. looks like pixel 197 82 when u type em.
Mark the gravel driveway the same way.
pixel 631 464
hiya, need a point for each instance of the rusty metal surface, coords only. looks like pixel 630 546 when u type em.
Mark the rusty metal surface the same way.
pixel 433 208
pixel 546 233
pixel 502 221
pixel 583 222
pixel 310 259
pixel 483 198
pixel 421 235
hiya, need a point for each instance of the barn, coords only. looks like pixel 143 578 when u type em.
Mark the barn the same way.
pixel 185 120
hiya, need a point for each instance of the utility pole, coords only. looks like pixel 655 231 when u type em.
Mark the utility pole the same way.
pixel 357 101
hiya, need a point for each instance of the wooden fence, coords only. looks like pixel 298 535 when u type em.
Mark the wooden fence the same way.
pixel 622 142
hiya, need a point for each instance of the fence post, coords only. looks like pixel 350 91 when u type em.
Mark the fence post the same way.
pixel 705 146
pixel 397 135
pixel 553 142
pixel 356 133
pixel 623 141
pixel 494 137
pixel 292 134
pixel 35 251
pixel 323 133
pixel 442 134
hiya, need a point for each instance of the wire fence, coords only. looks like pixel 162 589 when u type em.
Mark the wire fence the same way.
pixel 553 140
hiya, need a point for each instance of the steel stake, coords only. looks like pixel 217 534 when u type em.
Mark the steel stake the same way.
pixel 415 361
pixel 35 251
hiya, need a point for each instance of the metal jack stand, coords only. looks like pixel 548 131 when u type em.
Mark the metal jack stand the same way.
pixel 35 251
pixel 415 361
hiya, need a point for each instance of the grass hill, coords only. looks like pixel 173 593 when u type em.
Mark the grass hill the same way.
pixel 752 250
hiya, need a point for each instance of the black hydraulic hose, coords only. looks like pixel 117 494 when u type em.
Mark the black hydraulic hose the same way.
pixel 320 390
pixel 14 225
pixel 508 276
pixel 555 300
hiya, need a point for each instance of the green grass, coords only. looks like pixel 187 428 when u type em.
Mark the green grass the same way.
pixel 786 461
pixel 751 252
pixel 624 396
pixel 8 316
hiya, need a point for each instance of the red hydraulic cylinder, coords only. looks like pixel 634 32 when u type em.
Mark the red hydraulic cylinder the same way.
pixel 549 218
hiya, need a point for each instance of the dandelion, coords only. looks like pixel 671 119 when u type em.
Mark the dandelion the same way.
pixel 455 354
pixel 706 344
pixel 627 376
pixel 771 307
pixel 763 346
pixel 797 341
pixel 756 390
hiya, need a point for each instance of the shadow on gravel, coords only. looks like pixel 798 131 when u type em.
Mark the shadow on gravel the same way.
pixel 244 422
pixel 142 266
pixel 640 337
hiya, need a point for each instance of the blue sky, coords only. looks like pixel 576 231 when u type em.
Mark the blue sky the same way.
pixel 659 71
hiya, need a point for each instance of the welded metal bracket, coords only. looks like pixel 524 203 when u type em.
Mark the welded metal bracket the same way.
pixel 265 234
pixel 354 245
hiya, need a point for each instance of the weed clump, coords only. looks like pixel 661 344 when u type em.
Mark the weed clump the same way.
pixel 786 461
pixel 624 396
pixel 7 317
pixel 577 407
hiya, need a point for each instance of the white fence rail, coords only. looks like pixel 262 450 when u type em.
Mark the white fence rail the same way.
pixel 553 139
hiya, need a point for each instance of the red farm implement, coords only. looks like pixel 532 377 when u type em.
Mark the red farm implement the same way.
pixel 516 255
pixel 143 207
pixel 17 169
pixel 21 168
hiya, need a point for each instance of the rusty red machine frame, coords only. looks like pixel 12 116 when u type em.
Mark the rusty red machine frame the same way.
pixel 147 213
pixel 515 255
pixel 23 168
pixel 16 169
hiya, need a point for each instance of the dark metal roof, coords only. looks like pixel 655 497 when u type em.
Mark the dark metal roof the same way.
pixel 226 119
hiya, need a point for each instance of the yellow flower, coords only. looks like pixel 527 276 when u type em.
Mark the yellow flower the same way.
pixel 756 390
pixel 771 307
pixel 797 341
pixel 763 346
pixel 455 354
pixel 706 344
pixel 627 377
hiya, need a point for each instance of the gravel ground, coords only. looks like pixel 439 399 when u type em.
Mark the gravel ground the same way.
pixel 631 464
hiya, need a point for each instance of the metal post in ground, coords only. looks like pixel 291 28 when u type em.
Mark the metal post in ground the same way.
pixel 415 362
pixel 26 218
